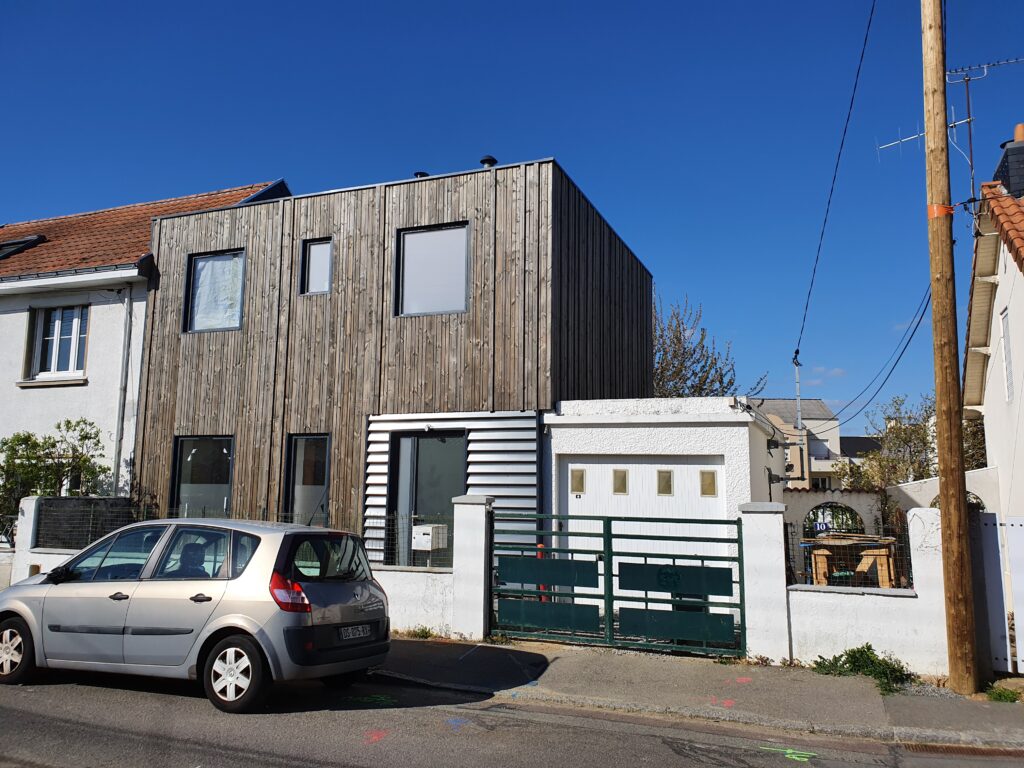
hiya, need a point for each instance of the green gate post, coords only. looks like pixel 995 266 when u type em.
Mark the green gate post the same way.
pixel 609 586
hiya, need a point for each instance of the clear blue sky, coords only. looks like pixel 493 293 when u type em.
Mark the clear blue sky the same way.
pixel 704 132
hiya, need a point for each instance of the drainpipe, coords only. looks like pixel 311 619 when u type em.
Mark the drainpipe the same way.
pixel 126 351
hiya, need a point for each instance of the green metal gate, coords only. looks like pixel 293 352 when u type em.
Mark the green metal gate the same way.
pixel 632 582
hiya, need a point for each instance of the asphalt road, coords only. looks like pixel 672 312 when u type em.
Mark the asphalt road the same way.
pixel 79 720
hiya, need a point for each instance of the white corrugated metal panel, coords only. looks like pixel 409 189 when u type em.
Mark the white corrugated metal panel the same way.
pixel 501 462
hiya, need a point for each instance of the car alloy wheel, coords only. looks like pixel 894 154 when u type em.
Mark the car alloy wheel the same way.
pixel 231 674
pixel 12 649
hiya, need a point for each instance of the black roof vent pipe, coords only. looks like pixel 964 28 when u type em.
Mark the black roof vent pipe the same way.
pixel 420 174
pixel 488 161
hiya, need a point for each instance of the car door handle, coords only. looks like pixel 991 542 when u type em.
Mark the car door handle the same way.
pixel 200 598
pixel 118 596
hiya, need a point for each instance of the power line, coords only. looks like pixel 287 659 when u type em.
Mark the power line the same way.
pixel 906 330
pixel 835 176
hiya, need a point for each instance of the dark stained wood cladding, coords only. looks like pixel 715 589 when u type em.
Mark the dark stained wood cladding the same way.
pixel 325 363
pixel 602 305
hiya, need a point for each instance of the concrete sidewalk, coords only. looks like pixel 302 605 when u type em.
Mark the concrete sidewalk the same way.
pixel 773 697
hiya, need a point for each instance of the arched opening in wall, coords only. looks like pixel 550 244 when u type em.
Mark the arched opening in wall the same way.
pixel 836 552
pixel 832 517
pixel 975 505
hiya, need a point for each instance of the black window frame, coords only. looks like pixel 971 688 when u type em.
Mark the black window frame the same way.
pixel 186 318
pixel 175 463
pixel 399 272
pixel 289 470
pixel 304 266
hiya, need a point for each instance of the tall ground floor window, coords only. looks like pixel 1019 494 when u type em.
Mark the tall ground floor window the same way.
pixel 308 479
pixel 427 471
pixel 202 476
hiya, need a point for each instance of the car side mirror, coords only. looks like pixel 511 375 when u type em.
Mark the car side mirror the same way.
pixel 59 574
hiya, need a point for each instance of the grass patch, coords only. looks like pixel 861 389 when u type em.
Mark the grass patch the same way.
pixel 498 639
pixel 420 633
pixel 996 693
pixel 887 671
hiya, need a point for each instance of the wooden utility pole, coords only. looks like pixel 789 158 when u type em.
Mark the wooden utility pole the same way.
pixel 956 553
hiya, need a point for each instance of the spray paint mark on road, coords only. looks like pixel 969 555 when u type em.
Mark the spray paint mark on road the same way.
pixel 744 680
pixel 789 753
pixel 374 736
pixel 456 723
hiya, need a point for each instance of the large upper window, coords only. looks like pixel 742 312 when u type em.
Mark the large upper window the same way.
pixel 432 270
pixel 202 483
pixel 59 344
pixel 215 291
pixel 316 267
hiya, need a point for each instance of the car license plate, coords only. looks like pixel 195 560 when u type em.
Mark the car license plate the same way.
pixel 353 633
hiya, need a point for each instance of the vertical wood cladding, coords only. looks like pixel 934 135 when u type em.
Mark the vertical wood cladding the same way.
pixel 558 308
pixel 602 305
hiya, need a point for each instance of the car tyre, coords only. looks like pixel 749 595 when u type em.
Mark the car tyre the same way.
pixel 17 652
pixel 235 676
pixel 344 680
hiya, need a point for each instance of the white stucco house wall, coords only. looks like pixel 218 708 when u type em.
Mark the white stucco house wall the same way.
pixel 72 308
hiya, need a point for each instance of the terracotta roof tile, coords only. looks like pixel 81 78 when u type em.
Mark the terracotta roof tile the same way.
pixel 1008 217
pixel 108 238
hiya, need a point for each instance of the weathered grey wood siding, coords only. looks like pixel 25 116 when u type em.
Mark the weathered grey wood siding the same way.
pixel 542 317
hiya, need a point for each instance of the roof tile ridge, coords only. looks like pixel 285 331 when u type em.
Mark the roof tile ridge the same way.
pixel 243 187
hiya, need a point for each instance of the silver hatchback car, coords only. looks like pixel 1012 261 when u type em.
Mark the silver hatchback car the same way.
pixel 236 604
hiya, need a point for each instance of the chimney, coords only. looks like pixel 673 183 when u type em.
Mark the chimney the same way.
pixel 487 161
pixel 1010 171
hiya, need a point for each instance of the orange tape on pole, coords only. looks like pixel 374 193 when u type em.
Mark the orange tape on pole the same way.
pixel 936 211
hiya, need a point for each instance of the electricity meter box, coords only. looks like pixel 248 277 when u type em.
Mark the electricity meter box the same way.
pixel 429 538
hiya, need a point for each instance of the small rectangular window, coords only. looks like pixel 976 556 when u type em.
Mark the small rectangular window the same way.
pixel 708 482
pixel 316 267
pixel 1004 318
pixel 665 482
pixel 620 482
pixel 59 344
pixel 215 292
pixel 578 481
pixel 433 266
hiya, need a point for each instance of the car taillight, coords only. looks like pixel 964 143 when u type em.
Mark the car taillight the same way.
pixel 288 594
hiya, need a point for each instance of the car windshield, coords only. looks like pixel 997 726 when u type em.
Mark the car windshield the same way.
pixel 328 558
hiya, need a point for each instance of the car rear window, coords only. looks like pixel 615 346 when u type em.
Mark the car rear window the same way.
pixel 328 558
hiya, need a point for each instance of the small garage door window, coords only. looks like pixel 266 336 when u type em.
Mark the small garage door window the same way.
pixel 665 482
pixel 708 483
pixel 578 481
pixel 620 482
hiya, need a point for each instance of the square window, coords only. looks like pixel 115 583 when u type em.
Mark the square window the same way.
pixel 665 482
pixel 578 481
pixel 59 342
pixel 316 267
pixel 708 482
pixel 202 483
pixel 433 267
pixel 620 482
pixel 215 292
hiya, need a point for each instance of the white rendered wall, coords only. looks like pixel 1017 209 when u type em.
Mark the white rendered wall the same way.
pixel 38 409
pixel 910 624
pixel 418 597
pixel 1004 421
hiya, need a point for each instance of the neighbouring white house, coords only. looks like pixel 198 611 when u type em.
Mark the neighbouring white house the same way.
pixel 813 438
pixel 72 308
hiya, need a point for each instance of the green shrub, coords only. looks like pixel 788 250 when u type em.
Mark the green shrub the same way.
pixel 887 671
pixel 996 693
pixel 420 633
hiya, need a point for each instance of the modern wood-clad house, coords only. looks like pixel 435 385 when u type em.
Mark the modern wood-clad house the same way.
pixel 361 356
